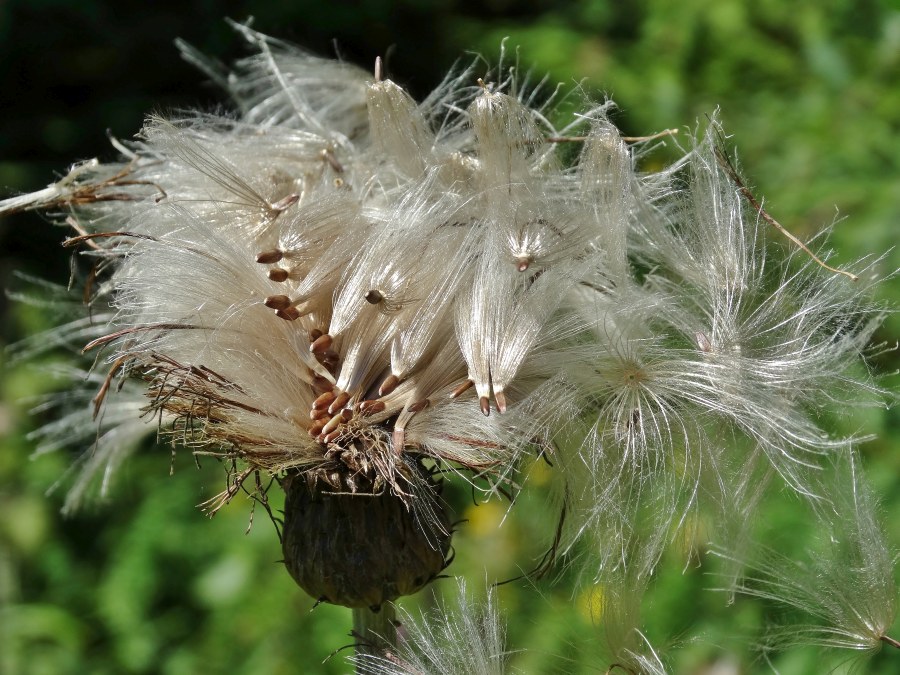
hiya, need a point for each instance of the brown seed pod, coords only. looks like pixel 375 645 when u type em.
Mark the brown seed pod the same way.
pixel 363 549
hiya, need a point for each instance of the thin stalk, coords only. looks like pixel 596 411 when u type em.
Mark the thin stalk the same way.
pixel 890 641
pixel 375 632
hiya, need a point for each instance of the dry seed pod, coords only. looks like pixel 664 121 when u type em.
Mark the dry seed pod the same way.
pixel 359 550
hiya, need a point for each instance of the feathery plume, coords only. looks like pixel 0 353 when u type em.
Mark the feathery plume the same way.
pixel 465 637
pixel 846 587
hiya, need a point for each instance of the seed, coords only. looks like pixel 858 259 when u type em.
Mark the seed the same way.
pixel 342 399
pixel 321 343
pixel 703 342
pixel 323 401
pixel 329 359
pixel 278 302
pixel 284 203
pixel 322 384
pixel 500 399
pixel 373 297
pixel 367 408
pixel 332 424
pixel 461 389
pixel 485 405
pixel 390 383
pixel 288 314
pixel 278 274
pixel 328 155
pixel 269 257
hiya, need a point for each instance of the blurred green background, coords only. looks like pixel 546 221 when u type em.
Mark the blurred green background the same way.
pixel 145 583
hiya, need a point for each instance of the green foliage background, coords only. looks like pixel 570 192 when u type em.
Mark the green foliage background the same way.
pixel 144 583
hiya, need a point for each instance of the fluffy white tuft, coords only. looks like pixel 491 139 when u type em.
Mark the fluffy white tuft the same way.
pixel 466 638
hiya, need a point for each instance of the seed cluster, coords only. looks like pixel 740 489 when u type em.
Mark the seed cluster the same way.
pixel 345 288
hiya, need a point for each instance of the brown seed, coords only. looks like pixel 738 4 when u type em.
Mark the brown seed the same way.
pixel 285 202
pixel 321 343
pixel 419 406
pixel 328 356
pixel 332 424
pixel 323 401
pixel 461 389
pixel 331 438
pixel 329 359
pixel 523 263
pixel 328 155
pixel 278 274
pixel 373 297
pixel 500 399
pixel 288 313
pixel 346 414
pixel 367 408
pixel 390 383
pixel 316 428
pixel 703 342
pixel 485 405
pixel 314 334
pixel 318 414
pixel 278 302
pixel 342 399
pixel 269 257
pixel 322 384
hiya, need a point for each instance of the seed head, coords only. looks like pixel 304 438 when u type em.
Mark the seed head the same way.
pixel 352 291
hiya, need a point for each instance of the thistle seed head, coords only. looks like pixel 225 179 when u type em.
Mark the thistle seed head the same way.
pixel 347 289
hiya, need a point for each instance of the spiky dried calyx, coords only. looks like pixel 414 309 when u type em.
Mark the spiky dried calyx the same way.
pixel 364 548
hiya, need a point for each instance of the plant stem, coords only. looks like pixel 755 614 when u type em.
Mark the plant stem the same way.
pixel 375 632
pixel 891 641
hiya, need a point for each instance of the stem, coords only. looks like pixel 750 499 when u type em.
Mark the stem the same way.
pixel 890 641
pixel 375 632
pixel 732 173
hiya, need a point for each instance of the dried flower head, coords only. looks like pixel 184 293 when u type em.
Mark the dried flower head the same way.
pixel 354 292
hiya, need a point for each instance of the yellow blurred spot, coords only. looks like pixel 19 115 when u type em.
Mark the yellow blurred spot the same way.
pixel 484 519
pixel 540 472
pixel 590 603
pixel 692 536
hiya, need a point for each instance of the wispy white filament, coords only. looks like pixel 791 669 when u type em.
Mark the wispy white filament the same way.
pixel 463 639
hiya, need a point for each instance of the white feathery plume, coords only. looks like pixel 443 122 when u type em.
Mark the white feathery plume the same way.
pixel 846 588
pixel 466 638
pixel 112 436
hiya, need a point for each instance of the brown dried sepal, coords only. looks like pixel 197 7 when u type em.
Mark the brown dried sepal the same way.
pixel 359 550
